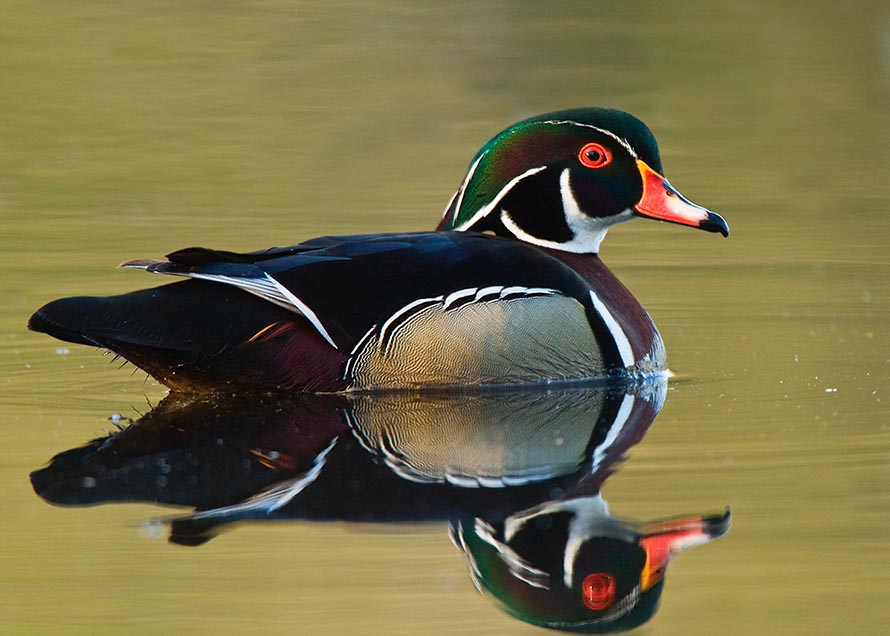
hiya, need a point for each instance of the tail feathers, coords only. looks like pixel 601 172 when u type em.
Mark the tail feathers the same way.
pixel 193 316
pixel 46 320
pixel 186 334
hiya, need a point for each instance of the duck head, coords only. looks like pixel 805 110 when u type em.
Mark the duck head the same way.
pixel 560 180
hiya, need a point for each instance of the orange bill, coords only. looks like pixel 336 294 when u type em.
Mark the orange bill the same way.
pixel 662 201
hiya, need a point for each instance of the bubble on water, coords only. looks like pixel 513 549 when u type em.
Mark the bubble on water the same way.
pixel 831 389
pixel 153 529
pixel 62 351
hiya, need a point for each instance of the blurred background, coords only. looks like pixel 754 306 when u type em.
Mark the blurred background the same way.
pixel 129 130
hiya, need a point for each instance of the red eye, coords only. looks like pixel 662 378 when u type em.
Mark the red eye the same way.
pixel 594 155
pixel 598 590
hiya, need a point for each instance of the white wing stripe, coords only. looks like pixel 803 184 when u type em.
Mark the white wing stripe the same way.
pixel 271 290
pixel 274 497
pixel 259 286
pixel 304 309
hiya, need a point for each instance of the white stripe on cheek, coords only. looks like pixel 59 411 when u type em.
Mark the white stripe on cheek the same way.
pixel 487 208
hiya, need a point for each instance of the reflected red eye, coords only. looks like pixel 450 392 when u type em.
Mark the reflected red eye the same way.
pixel 594 155
pixel 598 590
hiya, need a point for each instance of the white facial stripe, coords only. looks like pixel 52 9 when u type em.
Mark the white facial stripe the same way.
pixel 457 192
pixel 522 235
pixel 463 186
pixel 588 232
pixel 519 567
pixel 589 517
pixel 618 335
pixel 620 140
pixel 589 513
pixel 486 209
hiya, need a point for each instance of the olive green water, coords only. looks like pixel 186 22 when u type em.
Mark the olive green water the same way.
pixel 131 130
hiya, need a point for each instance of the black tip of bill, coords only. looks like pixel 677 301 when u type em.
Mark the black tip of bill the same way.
pixel 718 525
pixel 714 223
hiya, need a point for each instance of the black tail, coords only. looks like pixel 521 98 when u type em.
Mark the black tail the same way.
pixel 176 328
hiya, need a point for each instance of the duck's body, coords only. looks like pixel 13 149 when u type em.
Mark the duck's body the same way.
pixel 468 309
pixel 527 301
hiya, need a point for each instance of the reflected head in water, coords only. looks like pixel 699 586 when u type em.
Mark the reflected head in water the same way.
pixel 570 565
pixel 518 481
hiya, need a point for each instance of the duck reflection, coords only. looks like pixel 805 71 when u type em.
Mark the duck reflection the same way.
pixel 517 476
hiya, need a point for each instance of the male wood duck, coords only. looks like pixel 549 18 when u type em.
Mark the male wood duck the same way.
pixel 507 290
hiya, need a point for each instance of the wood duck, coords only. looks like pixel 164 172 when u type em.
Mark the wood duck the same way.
pixel 508 289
